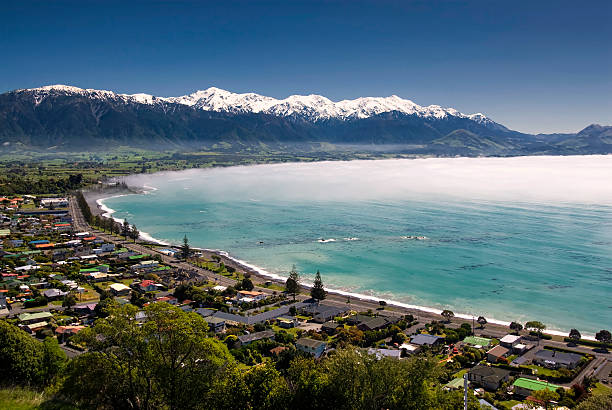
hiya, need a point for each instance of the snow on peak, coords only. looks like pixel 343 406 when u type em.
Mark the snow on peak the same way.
pixel 311 107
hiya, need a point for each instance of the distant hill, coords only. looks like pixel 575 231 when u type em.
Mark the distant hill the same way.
pixel 73 119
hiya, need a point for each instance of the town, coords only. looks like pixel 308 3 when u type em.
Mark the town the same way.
pixel 64 270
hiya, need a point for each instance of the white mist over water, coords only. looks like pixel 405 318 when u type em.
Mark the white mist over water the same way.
pixel 509 238
pixel 576 179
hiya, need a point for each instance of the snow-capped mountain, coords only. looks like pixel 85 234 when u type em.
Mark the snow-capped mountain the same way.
pixel 310 107
pixel 70 118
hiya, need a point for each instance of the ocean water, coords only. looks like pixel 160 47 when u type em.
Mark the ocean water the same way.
pixel 510 239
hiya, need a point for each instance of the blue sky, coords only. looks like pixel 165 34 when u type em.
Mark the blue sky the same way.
pixel 535 66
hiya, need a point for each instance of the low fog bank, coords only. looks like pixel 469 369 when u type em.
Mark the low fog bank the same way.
pixel 554 179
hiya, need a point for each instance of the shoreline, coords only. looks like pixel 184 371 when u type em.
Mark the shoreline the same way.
pixel 228 259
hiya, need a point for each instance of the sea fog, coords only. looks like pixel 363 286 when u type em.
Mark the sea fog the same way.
pixel 525 238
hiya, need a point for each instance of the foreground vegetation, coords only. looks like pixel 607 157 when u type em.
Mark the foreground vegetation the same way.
pixel 170 361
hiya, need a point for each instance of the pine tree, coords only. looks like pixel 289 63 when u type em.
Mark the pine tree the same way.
pixel 185 249
pixel 318 292
pixel 134 233
pixel 292 286
pixel 125 229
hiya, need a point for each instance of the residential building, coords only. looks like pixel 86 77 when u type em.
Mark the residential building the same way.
pixel 54 294
pixel 311 346
pixel 525 387
pixel 554 359
pixel 509 341
pixel 216 324
pixel 426 340
pixel 490 378
pixel 119 289
pixel 380 353
pixel 253 337
pixel 496 353
pixel 28 318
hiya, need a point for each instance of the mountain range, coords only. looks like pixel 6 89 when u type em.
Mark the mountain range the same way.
pixel 67 118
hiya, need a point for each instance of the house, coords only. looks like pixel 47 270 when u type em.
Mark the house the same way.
pixel 490 378
pixel 86 309
pixel 250 296
pixel 380 353
pixel 205 312
pixel 320 312
pixel 28 318
pixel 3 303
pixel 525 387
pixel 354 320
pixel 147 286
pixel 244 340
pixel 426 340
pixel 509 341
pixel 119 289
pixel 54 294
pixel 216 324
pixel 330 327
pixel 64 332
pixel 15 243
pixel 408 348
pixel 34 327
pixel 493 355
pixel 145 266
pixel 168 299
pixel 373 323
pixel 554 359
pixel 107 247
pixel 311 346
pixel 286 322
pixel 54 202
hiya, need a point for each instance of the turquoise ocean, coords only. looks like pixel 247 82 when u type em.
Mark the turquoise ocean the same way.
pixel 510 239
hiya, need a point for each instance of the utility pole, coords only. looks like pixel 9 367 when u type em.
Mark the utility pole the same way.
pixel 465 390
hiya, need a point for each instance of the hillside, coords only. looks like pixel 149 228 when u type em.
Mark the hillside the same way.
pixel 65 118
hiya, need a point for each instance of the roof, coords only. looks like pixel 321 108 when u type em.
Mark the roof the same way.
pixel 476 340
pixel 68 329
pixel 146 283
pixel 214 320
pixel 498 351
pixel 380 353
pixel 375 323
pixel 455 383
pixel 558 357
pixel 250 293
pixel 118 287
pixel 489 373
pixel 509 339
pixel 266 334
pixel 311 343
pixel 33 316
pixel 424 339
pixel 534 385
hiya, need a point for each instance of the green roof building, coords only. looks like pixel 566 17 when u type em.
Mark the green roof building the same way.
pixel 34 317
pixel 524 386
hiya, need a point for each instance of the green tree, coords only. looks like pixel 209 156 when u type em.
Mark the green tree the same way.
pixel 185 249
pixel 69 301
pixel 482 321
pixel 447 314
pixel 537 326
pixel 125 229
pixel 575 335
pixel 134 233
pixel 516 326
pixel 317 292
pixel 246 284
pixel 603 336
pixel 292 286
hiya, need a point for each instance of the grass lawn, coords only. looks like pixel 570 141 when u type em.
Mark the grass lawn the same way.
pixel 460 373
pixel 18 398
pixel 508 404
pixel 601 389
pixel 56 303
pixel 542 371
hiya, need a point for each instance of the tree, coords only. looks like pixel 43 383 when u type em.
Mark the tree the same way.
pixel 185 249
pixel 69 301
pixel 482 321
pixel 292 285
pixel 125 229
pixel 603 336
pixel 447 314
pixel 317 292
pixel 516 326
pixel 546 396
pixel 165 362
pixel 134 234
pixel 246 284
pixel 575 335
pixel 537 326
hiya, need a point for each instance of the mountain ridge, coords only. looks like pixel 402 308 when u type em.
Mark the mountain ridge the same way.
pixel 73 118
